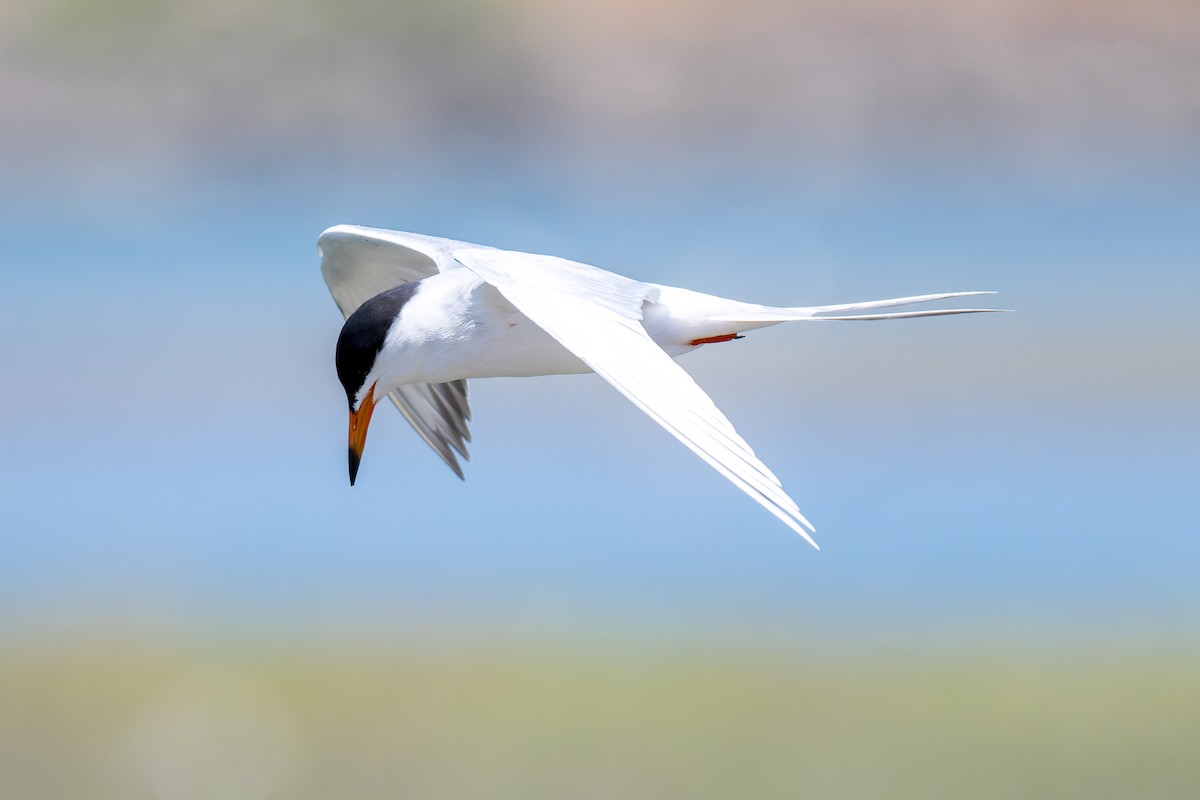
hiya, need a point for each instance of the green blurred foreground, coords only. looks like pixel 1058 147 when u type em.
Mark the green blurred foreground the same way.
pixel 565 722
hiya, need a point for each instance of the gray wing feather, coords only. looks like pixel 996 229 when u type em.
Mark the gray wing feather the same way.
pixel 444 428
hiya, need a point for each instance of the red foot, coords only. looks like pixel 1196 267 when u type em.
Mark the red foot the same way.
pixel 714 339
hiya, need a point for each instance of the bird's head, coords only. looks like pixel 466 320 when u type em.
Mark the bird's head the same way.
pixel 359 368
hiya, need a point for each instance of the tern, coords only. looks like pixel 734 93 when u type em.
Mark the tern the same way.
pixel 425 314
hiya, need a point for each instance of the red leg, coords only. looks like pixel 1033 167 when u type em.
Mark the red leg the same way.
pixel 714 339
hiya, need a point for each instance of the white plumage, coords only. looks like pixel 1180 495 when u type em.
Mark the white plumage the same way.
pixel 476 312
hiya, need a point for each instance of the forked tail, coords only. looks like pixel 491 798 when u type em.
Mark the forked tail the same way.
pixel 767 314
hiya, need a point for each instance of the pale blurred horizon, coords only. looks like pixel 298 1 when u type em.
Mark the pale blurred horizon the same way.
pixel 1059 91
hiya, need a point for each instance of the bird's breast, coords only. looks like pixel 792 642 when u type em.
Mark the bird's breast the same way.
pixel 457 326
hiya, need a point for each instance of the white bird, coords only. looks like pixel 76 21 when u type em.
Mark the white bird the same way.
pixel 424 314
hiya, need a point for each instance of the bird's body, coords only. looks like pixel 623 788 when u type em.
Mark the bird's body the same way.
pixel 426 314
pixel 457 326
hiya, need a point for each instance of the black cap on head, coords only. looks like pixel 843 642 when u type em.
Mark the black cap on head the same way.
pixel 363 335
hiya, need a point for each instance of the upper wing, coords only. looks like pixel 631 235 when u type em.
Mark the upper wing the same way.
pixel 597 316
pixel 359 263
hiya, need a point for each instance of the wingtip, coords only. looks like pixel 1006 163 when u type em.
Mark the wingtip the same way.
pixel 804 530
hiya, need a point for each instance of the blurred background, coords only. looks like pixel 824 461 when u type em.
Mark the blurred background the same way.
pixel 195 604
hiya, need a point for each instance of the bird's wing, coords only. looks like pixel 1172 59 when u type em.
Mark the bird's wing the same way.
pixel 597 316
pixel 440 414
pixel 359 263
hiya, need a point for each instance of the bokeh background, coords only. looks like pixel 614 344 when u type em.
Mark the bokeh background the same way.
pixel 194 604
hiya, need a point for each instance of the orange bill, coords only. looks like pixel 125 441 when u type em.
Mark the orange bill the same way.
pixel 359 420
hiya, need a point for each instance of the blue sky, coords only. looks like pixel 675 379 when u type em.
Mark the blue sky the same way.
pixel 175 432
pixel 174 435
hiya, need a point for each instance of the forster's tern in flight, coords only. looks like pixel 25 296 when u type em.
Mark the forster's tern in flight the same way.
pixel 424 314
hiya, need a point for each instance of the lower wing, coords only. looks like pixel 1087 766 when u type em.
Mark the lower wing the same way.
pixel 597 316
